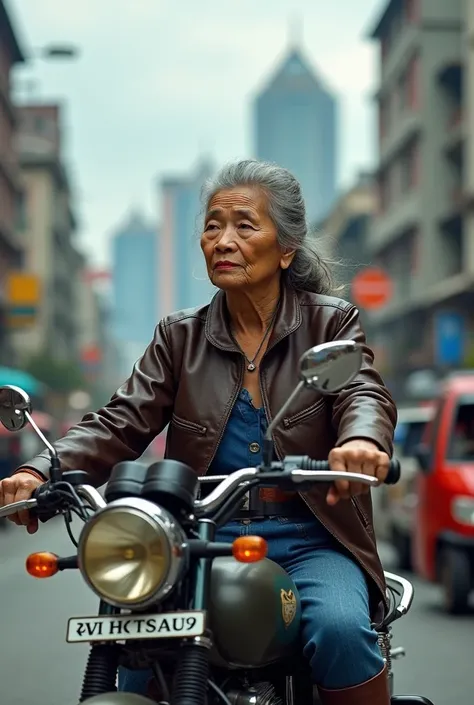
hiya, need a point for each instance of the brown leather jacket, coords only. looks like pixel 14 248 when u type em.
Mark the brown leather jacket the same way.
pixel 190 376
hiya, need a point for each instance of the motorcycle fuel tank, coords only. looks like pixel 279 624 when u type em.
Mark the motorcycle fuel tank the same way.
pixel 254 613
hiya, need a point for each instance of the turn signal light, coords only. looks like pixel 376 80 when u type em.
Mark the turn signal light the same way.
pixel 42 565
pixel 249 549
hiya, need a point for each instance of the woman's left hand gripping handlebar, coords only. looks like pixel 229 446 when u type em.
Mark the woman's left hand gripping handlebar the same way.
pixel 358 455
pixel 17 488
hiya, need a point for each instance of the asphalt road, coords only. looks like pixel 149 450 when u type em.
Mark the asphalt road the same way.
pixel 38 668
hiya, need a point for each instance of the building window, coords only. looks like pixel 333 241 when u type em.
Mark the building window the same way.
pixel 413 83
pixel 385 187
pixel 383 121
pixel 412 11
pixel 410 168
pixel 415 252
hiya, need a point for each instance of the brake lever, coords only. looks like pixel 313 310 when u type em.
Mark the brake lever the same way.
pixel 24 504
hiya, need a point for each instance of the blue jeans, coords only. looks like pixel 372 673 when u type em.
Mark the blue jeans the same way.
pixel 338 639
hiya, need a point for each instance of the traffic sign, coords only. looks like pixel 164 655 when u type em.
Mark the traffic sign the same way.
pixel 371 289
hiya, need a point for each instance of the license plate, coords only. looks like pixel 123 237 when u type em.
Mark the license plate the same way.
pixel 132 627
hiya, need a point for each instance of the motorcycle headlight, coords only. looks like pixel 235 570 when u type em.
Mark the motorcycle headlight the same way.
pixel 131 553
pixel 463 510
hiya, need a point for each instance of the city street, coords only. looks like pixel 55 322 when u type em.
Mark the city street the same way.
pixel 38 667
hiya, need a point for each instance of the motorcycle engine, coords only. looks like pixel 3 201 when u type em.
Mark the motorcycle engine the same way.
pixel 260 694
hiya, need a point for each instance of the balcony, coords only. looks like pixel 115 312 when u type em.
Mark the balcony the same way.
pixel 405 130
pixel 403 216
pixel 404 45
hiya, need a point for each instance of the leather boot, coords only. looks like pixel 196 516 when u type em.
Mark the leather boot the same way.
pixel 373 692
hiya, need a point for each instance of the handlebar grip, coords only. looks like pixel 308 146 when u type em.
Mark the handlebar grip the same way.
pixel 393 476
pixel 42 511
pixel 394 472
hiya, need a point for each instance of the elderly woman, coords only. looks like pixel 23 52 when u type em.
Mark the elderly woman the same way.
pixel 218 374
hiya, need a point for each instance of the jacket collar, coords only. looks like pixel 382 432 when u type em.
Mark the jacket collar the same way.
pixel 287 321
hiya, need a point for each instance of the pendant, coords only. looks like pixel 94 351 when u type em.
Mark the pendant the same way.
pixel 251 367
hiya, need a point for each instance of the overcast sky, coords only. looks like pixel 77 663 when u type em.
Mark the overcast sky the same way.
pixel 159 82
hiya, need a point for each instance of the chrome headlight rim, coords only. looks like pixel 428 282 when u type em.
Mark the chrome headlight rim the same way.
pixel 173 538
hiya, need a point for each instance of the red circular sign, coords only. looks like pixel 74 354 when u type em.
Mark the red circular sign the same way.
pixel 372 289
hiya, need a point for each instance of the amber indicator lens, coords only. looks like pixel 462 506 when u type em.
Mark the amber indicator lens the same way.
pixel 249 549
pixel 42 565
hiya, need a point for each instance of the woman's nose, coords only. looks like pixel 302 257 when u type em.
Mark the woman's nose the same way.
pixel 226 242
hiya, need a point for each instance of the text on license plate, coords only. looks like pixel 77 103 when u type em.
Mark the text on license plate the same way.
pixel 128 627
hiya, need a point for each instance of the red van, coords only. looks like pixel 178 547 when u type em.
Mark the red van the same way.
pixel 443 530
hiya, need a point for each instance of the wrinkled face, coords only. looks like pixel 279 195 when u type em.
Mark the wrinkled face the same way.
pixel 239 241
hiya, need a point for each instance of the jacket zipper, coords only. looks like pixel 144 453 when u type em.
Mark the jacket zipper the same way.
pixel 189 425
pixel 312 410
pixel 360 512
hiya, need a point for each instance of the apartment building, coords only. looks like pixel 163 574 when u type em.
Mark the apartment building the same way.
pixel 48 230
pixel 422 233
pixel 10 187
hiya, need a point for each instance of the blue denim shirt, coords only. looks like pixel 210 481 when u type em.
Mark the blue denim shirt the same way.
pixel 242 442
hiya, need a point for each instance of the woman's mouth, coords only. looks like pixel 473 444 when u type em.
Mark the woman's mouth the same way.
pixel 225 265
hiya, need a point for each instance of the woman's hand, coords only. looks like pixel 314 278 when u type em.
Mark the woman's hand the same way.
pixel 16 488
pixel 358 455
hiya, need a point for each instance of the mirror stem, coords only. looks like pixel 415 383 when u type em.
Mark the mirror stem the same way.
pixel 267 451
pixel 55 474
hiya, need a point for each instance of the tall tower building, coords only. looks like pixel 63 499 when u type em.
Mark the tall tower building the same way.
pixel 295 117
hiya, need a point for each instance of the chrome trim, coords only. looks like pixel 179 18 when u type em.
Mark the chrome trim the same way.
pixel 230 483
pixel 41 435
pixel 14 507
pixel 408 592
pixel 331 476
pixel 92 496
pixel 214 500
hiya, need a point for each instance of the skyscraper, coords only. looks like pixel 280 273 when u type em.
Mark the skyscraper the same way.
pixel 295 126
pixel 134 284
pixel 183 281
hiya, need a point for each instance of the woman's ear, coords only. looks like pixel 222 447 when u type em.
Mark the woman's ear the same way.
pixel 287 258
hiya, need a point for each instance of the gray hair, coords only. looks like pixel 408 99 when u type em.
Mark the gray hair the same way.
pixel 309 270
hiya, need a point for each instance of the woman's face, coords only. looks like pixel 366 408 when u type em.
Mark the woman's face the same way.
pixel 239 241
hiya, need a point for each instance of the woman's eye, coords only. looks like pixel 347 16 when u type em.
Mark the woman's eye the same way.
pixel 211 226
pixel 246 226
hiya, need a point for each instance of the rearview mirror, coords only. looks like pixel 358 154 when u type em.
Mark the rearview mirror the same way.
pixel 330 367
pixel 326 368
pixel 15 407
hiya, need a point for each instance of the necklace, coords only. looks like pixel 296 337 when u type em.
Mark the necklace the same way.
pixel 251 366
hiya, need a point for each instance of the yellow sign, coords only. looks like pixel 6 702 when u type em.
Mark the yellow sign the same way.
pixel 23 296
pixel 23 290
pixel 288 606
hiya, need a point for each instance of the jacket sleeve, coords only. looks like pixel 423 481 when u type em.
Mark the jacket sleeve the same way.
pixel 123 429
pixel 365 408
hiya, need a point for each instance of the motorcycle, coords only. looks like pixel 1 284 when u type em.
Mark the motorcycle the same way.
pixel 215 622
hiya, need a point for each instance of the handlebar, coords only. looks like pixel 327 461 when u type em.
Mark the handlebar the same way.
pixel 299 472
pixel 44 505
pixel 293 472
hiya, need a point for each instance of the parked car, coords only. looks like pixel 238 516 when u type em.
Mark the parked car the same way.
pixel 443 530
pixel 399 500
